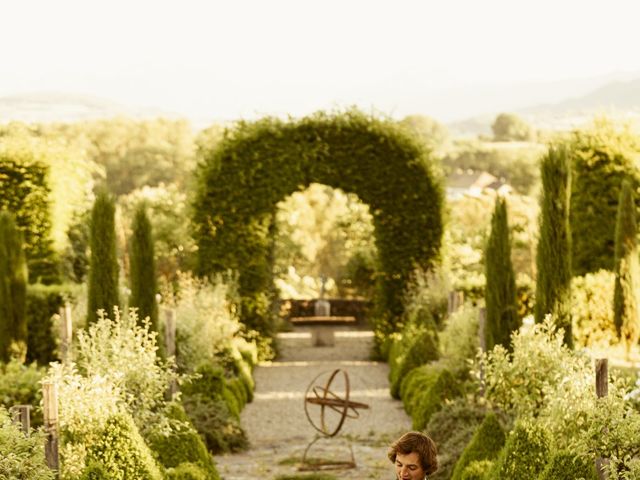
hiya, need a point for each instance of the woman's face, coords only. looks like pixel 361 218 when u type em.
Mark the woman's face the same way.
pixel 408 467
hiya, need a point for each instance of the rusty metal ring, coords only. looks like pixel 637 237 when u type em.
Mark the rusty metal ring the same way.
pixel 326 399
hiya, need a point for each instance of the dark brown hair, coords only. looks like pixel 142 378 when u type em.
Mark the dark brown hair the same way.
pixel 419 443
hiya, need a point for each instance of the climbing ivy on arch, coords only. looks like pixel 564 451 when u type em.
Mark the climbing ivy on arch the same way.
pixel 257 164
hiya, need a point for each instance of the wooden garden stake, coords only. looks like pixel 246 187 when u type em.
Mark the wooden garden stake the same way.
pixel 50 400
pixel 170 331
pixel 602 390
pixel 482 325
pixel 22 414
pixel 170 342
pixel 66 332
pixel 602 377
pixel 454 301
pixel 482 320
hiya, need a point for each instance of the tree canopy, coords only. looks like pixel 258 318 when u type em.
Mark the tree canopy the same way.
pixel 509 126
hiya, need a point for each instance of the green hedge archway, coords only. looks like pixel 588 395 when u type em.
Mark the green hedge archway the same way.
pixel 259 163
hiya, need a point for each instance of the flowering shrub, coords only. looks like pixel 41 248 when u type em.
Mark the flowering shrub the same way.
pixel 545 384
pixel 87 406
pixel 124 352
pixel 112 400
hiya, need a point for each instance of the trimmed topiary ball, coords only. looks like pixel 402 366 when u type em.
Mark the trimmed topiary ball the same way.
pixel 415 383
pixel 452 429
pixel 188 471
pixel 477 470
pixel 446 387
pixel 567 466
pixel 486 444
pixel 415 346
pixel 525 453
pixel 120 448
pixel 219 429
pixel 95 471
pixel 182 444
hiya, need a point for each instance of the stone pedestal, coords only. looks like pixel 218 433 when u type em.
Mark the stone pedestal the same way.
pixel 322 308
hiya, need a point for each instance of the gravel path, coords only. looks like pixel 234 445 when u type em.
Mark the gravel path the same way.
pixel 277 426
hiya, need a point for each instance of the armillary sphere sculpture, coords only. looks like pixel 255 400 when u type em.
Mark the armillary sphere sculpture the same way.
pixel 329 404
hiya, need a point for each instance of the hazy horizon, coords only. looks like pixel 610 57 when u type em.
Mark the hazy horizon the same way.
pixel 248 58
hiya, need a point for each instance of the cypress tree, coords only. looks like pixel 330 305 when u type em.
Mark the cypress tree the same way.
pixel 13 290
pixel 143 268
pixel 103 265
pixel 553 258
pixel 625 302
pixel 500 289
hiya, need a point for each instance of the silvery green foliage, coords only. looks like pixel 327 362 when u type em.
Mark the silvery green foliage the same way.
pixel 118 375
pixel 21 457
pixel 124 352
pixel 612 430
pixel 545 382
pixel 523 382
pixel 206 321
pixel 634 395
pixel 459 341
pixel 85 403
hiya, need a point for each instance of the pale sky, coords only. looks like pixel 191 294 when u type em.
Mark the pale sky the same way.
pixel 243 58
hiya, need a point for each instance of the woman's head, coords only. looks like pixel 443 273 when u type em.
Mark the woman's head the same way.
pixel 415 455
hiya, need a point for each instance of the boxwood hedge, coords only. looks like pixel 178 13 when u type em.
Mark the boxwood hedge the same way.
pixel 524 455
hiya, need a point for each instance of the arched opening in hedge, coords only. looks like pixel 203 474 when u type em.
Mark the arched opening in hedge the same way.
pixel 325 233
pixel 259 163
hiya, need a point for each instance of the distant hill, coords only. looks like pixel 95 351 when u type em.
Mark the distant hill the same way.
pixel 615 99
pixel 614 96
pixel 57 107
pixel 556 105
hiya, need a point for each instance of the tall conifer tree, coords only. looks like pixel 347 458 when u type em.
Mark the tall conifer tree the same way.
pixel 143 268
pixel 625 303
pixel 13 290
pixel 103 265
pixel 553 258
pixel 500 290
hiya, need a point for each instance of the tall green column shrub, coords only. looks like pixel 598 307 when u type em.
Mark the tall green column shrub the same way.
pixel 13 290
pixel 103 266
pixel 500 290
pixel 553 258
pixel 27 194
pixel 143 268
pixel 625 301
